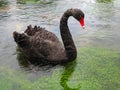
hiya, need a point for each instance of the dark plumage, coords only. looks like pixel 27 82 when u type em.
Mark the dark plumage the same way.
pixel 44 46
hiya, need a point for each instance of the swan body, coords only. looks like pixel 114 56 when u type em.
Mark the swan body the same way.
pixel 44 46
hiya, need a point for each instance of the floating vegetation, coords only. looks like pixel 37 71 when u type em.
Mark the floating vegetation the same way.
pixel 94 69
pixel 3 2
pixel 104 1
pixel 27 1
pixel 35 1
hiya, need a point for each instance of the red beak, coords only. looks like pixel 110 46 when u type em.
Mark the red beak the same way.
pixel 82 23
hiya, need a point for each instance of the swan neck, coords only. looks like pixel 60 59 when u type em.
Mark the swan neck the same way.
pixel 67 37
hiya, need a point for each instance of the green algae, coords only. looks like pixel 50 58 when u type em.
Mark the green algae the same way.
pixel 3 3
pixel 104 1
pixel 34 1
pixel 94 69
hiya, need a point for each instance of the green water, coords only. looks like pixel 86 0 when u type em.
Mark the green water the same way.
pixel 94 69
pixel 97 66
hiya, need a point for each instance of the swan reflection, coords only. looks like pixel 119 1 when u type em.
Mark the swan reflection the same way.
pixel 68 71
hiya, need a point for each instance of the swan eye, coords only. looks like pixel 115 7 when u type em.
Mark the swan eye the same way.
pixel 18 35
pixel 80 16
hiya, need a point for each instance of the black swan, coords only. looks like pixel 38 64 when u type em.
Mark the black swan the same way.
pixel 44 46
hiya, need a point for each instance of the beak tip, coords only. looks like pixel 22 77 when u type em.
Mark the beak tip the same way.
pixel 83 27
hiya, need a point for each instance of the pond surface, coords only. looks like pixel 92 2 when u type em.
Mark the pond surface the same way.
pixel 98 45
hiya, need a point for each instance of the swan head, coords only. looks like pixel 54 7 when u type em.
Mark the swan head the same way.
pixel 79 15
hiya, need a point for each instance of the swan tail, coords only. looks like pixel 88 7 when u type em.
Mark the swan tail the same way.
pixel 21 39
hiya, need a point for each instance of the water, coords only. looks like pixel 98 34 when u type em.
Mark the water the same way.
pixel 101 21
